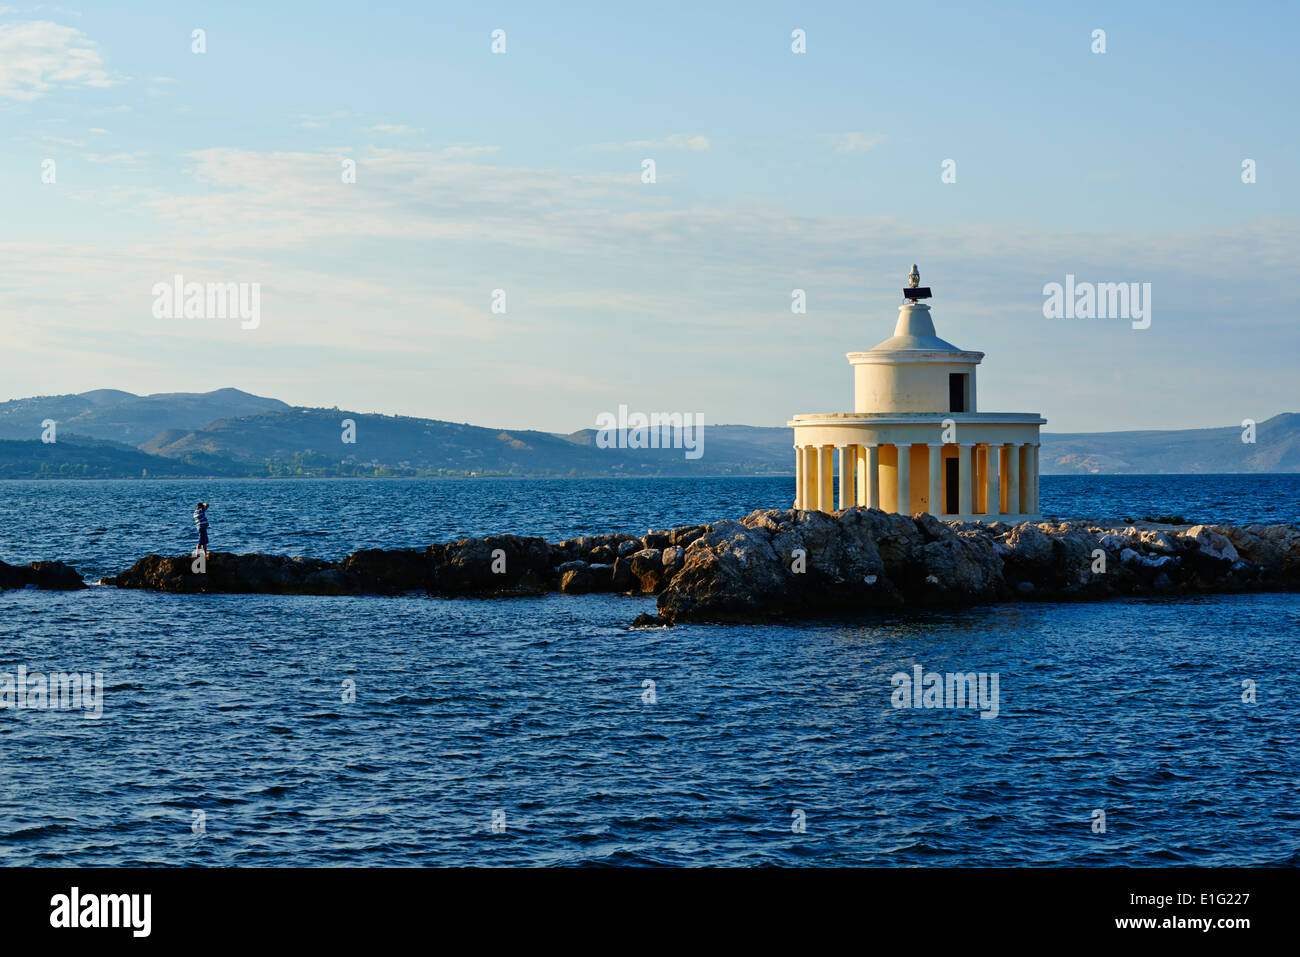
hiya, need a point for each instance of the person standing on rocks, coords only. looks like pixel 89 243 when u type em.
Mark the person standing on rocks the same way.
pixel 201 522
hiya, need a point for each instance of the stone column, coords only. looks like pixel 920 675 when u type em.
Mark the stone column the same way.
pixel 1013 478
pixel 809 478
pixel 873 476
pixel 904 473
pixel 860 484
pixel 936 479
pixel 992 485
pixel 1027 479
pixel 964 450
pixel 825 481
pixel 798 477
pixel 1034 479
pixel 846 476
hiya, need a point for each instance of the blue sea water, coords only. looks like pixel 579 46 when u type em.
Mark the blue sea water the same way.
pixel 537 710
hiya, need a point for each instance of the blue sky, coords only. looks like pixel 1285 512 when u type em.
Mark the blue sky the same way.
pixel 775 171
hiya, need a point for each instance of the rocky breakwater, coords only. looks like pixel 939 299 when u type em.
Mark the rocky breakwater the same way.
pixel 774 564
pixel 497 565
pixel 46 576
pixel 788 563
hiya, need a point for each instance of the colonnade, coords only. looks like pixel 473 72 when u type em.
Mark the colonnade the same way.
pixel 989 479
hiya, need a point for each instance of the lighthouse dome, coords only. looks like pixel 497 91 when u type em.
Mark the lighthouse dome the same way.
pixel 914 332
pixel 914 371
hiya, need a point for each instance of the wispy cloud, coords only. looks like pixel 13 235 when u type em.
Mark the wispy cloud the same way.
pixel 465 151
pixel 310 121
pixel 38 56
pixel 125 159
pixel 48 140
pixel 693 142
pixel 395 128
pixel 854 142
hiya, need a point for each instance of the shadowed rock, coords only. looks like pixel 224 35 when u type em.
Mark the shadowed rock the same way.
pixel 390 572
pixel 578 578
pixel 645 570
pixel 47 576
pixel 227 573
pixel 494 564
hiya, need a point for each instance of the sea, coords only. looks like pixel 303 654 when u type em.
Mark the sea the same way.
pixel 259 730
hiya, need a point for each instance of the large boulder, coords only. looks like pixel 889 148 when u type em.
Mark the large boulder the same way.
pixel 647 572
pixel 961 570
pixel 595 549
pixel 1275 549
pixel 1063 561
pixel 657 540
pixel 685 535
pixel 46 576
pixel 1028 546
pixel 674 556
pixel 389 572
pixel 577 577
pixel 830 554
pixel 777 562
pixel 1156 540
pixel 1211 544
pixel 493 564
pixel 730 573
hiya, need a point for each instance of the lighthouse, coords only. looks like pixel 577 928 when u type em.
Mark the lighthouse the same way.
pixel 916 440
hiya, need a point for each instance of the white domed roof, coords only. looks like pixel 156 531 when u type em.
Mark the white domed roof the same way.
pixel 915 332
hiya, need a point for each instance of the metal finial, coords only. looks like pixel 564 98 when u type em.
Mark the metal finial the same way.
pixel 915 291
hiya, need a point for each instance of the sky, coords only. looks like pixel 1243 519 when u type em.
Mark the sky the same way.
pixel 523 172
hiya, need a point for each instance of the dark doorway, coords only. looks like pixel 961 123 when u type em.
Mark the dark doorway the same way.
pixel 956 392
pixel 951 500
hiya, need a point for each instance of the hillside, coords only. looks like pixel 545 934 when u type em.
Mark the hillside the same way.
pixel 1276 449
pixel 108 433
pixel 79 457
pixel 124 417
pixel 430 446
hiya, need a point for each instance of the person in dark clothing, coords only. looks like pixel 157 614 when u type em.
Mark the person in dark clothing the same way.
pixel 201 522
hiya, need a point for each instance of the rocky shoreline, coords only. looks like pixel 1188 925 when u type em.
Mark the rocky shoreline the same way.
pixel 769 564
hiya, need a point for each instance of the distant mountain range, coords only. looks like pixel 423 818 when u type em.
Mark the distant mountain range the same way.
pixel 112 434
pixel 1276 448
pixel 107 433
